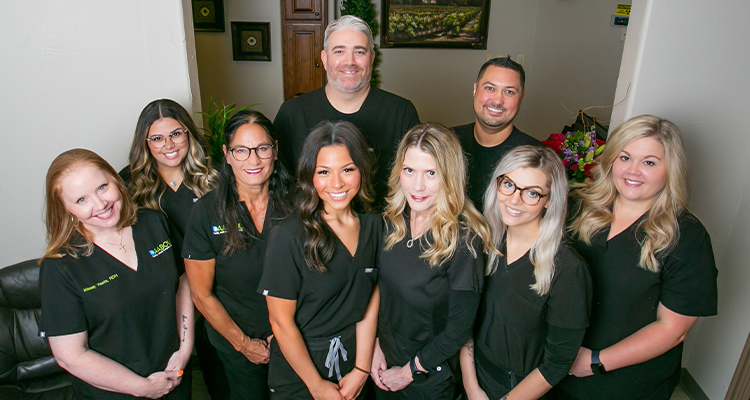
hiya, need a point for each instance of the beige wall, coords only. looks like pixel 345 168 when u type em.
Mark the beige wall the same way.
pixel 697 78
pixel 572 57
pixel 77 74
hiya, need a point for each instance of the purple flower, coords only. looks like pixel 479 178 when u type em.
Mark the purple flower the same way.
pixel 591 149
pixel 568 152
pixel 581 142
pixel 576 157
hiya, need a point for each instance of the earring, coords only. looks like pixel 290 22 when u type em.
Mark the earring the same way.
pixel 74 220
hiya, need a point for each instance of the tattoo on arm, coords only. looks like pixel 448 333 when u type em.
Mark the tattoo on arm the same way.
pixel 504 397
pixel 470 347
pixel 184 328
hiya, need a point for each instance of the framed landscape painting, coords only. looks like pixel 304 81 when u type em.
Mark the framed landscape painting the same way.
pixel 435 23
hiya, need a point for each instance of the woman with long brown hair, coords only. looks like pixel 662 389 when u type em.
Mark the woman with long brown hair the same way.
pixel 112 293
pixel 320 274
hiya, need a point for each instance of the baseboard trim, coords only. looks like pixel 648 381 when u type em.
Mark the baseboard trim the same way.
pixel 691 387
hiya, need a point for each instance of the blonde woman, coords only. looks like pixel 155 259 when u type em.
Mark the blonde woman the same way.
pixel 431 268
pixel 651 262
pixel 534 309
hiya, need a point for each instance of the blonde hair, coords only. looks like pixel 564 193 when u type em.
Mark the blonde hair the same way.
pixel 62 226
pixel 453 210
pixel 147 186
pixel 552 225
pixel 659 231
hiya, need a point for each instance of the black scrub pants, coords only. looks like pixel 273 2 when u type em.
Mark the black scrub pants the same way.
pixel 247 381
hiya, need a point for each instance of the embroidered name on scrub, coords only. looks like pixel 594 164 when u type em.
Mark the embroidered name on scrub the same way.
pixel 221 229
pixel 102 283
pixel 160 248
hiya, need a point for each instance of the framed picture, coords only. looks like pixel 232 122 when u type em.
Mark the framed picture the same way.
pixel 251 41
pixel 208 15
pixel 435 23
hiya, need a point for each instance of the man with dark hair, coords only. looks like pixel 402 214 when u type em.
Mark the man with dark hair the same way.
pixel 498 93
pixel 382 117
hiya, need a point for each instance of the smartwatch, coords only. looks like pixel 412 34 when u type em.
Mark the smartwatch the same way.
pixel 596 366
pixel 416 374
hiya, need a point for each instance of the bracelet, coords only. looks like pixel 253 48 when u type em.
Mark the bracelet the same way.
pixel 360 369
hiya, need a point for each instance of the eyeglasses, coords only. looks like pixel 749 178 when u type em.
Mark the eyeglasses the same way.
pixel 529 196
pixel 177 136
pixel 242 153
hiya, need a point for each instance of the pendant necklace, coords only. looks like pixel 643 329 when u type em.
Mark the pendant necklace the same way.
pixel 120 246
pixel 410 242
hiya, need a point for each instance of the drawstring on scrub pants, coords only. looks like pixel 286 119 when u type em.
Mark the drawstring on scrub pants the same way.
pixel 332 359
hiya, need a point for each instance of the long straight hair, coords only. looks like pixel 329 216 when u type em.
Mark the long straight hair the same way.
pixel 65 234
pixel 552 225
pixel 147 186
pixel 452 212
pixel 659 231
pixel 279 186
pixel 320 242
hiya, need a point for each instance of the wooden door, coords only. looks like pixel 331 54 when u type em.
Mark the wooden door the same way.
pixel 303 26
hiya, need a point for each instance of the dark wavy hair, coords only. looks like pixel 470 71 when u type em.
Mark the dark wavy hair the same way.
pixel 279 187
pixel 321 241
pixel 146 186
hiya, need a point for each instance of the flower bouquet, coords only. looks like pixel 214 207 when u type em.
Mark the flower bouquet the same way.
pixel 577 151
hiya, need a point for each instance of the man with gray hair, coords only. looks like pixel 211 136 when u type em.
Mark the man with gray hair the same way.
pixel 382 117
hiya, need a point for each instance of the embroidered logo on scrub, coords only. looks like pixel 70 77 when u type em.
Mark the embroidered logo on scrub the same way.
pixel 102 283
pixel 160 248
pixel 222 229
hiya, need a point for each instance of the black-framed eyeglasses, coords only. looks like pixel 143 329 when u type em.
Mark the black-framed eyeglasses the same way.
pixel 529 196
pixel 177 136
pixel 242 153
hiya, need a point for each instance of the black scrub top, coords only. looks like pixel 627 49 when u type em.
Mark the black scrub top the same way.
pixel 175 204
pixel 237 274
pixel 416 316
pixel 627 296
pixel 329 302
pixel 513 320
pixel 130 316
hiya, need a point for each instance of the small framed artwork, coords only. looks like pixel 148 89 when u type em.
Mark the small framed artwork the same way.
pixel 208 15
pixel 435 23
pixel 251 41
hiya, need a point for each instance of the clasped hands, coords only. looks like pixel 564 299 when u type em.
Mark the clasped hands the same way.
pixel 257 351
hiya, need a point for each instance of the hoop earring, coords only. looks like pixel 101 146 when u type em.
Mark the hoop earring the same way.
pixel 74 220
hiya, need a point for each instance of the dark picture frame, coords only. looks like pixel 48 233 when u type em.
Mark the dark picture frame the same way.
pixel 251 41
pixel 208 15
pixel 452 24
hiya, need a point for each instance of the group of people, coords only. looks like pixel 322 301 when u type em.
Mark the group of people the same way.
pixel 346 242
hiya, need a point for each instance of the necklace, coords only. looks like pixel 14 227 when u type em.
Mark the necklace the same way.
pixel 410 242
pixel 121 246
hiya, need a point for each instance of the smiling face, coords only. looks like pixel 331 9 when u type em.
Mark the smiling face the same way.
pixel 92 196
pixel 336 178
pixel 497 98
pixel 639 172
pixel 171 155
pixel 513 211
pixel 255 172
pixel 419 181
pixel 348 60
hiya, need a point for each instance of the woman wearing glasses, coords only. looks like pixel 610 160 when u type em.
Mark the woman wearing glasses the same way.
pixel 431 268
pixel 169 169
pixel 225 244
pixel 533 313
pixel 651 262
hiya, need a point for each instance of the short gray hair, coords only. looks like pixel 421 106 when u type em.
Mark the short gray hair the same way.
pixel 349 22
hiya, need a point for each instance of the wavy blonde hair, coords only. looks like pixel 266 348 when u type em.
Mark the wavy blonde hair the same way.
pixel 62 226
pixel 146 186
pixel 552 225
pixel 453 212
pixel 659 231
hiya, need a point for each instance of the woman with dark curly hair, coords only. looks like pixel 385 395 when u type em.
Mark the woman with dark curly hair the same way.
pixel 320 273
pixel 225 243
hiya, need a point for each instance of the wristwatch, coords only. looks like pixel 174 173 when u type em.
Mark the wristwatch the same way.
pixel 596 366
pixel 416 374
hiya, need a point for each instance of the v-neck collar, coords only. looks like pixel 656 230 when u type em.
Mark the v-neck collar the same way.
pixel 135 249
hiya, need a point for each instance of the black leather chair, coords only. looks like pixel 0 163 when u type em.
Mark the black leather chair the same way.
pixel 27 369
